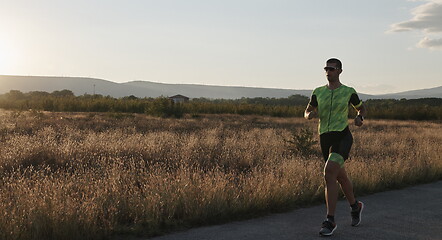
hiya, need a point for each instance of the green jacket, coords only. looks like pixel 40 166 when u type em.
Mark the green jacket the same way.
pixel 332 107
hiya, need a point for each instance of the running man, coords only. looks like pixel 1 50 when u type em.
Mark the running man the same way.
pixel 330 103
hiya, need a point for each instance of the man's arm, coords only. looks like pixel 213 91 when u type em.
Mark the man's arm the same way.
pixel 362 112
pixel 357 104
pixel 310 112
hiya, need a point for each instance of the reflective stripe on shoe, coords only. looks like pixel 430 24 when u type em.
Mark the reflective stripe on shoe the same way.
pixel 356 216
pixel 328 227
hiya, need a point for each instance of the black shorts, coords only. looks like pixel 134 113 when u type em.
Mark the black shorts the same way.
pixel 336 142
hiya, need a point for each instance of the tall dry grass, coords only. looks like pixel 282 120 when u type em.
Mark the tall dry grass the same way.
pixel 74 176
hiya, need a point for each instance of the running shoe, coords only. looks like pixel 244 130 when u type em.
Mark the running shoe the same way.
pixel 328 227
pixel 356 215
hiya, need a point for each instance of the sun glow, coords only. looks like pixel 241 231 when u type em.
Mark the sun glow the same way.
pixel 8 56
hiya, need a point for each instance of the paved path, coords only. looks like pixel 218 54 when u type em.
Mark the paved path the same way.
pixel 411 213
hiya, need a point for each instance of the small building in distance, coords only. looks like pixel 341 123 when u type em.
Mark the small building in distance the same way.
pixel 179 99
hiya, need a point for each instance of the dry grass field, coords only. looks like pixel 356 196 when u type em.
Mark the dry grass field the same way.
pixel 90 176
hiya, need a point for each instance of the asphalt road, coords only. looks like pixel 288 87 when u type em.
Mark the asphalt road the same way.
pixel 411 213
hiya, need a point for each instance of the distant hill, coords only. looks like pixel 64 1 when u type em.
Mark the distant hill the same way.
pixel 206 91
pixel 422 93
pixel 80 86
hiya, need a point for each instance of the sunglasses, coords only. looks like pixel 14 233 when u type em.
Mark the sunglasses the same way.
pixel 331 69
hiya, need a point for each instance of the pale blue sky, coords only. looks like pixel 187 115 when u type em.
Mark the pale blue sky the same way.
pixel 385 46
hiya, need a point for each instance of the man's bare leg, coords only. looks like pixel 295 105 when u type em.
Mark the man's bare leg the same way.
pixel 331 172
pixel 346 186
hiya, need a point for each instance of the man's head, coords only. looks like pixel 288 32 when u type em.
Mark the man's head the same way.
pixel 332 69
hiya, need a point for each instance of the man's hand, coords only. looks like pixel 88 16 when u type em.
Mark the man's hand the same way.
pixel 358 121
pixel 362 111
pixel 311 114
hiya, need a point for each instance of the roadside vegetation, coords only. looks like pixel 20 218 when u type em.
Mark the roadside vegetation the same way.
pixel 66 175
pixel 292 106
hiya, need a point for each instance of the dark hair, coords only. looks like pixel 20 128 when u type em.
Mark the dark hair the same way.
pixel 336 61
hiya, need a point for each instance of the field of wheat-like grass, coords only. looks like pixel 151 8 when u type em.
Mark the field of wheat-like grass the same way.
pixel 90 176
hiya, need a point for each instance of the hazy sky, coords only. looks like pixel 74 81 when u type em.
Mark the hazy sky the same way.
pixel 385 45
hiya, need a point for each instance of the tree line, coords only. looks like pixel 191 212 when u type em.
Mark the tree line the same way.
pixel 292 106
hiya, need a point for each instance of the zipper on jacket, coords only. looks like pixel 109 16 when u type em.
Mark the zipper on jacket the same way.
pixel 331 107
